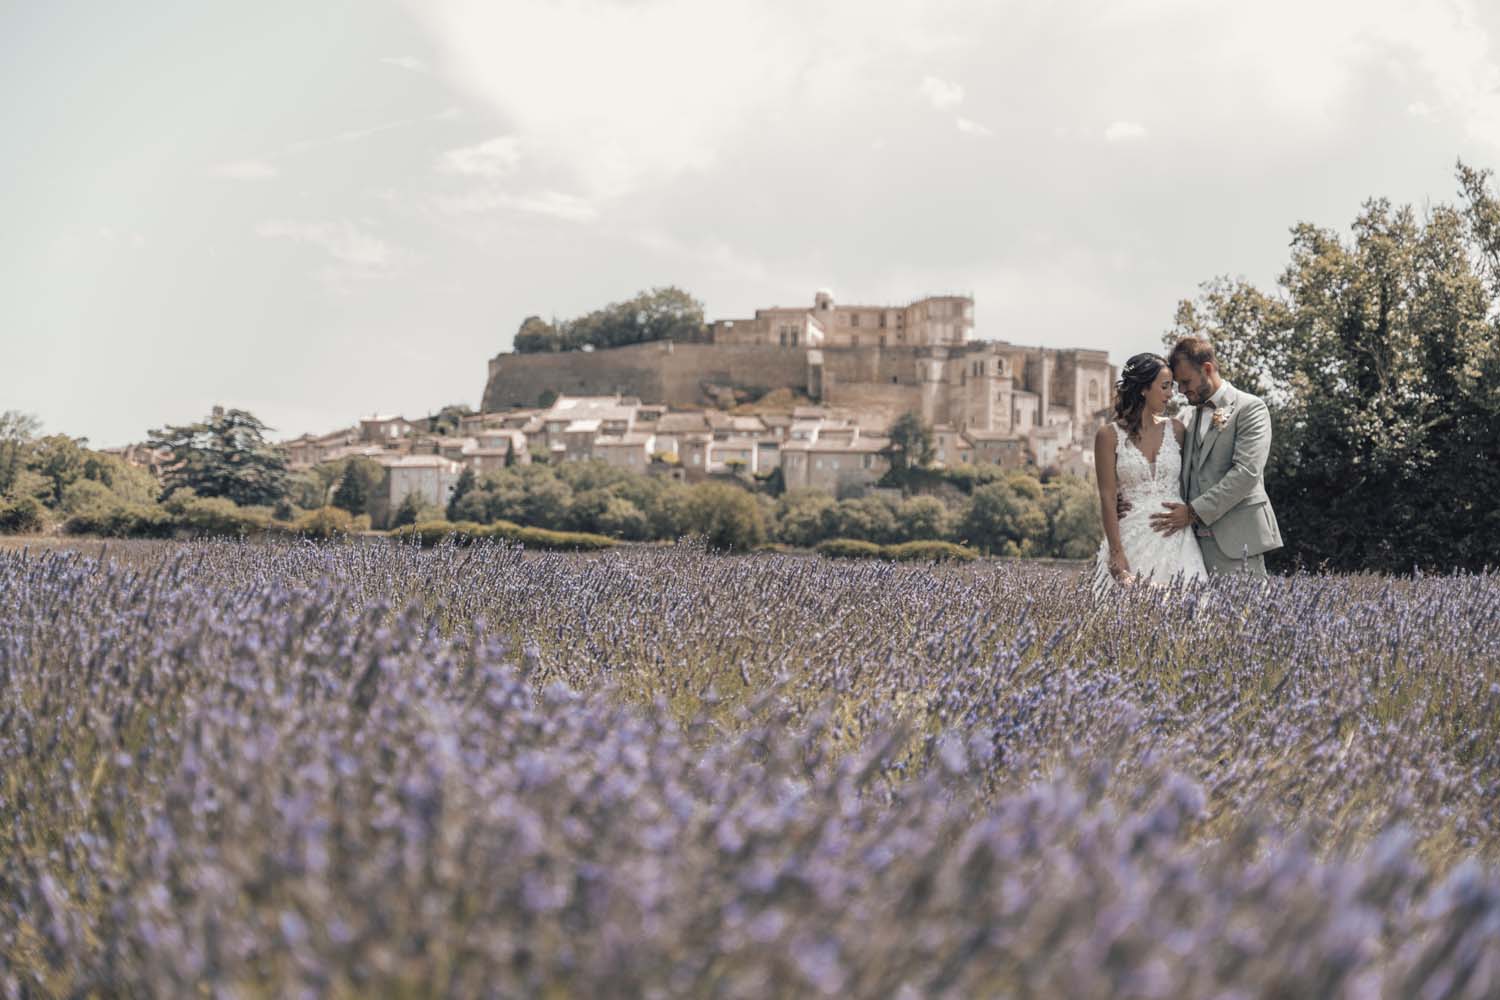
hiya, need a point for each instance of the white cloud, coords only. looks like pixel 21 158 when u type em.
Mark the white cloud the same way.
pixel 1419 109
pixel 246 170
pixel 943 94
pixel 617 96
pixel 556 204
pixel 1124 131
pixel 357 253
pixel 495 157
pixel 411 63
pixel 971 127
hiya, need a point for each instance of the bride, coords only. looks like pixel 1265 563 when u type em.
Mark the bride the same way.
pixel 1138 458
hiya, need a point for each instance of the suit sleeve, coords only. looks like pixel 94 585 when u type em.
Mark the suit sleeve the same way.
pixel 1252 446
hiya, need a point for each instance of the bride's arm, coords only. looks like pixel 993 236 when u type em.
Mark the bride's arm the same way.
pixel 1104 475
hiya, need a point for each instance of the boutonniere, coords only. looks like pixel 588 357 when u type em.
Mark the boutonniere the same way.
pixel 1221 416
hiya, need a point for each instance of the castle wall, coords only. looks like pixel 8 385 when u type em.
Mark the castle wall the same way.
pixel 981 387
pixel 659 372
pixel 890 401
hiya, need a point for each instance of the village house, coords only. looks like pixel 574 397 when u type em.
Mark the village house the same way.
pixel 310 449
pixel 671 428
pixel 630 451
pixel 430 477
pixel 997 448
pixel 384 429
pixel 834 466
pixel 950 448
pixel 737 455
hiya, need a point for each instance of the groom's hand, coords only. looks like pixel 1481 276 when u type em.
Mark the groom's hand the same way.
pixel 1122 506
pixel 1173 519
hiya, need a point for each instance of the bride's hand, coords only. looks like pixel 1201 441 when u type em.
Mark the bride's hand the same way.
pixel 1119 567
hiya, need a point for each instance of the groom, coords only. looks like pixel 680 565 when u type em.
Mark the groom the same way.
pixel 1223 462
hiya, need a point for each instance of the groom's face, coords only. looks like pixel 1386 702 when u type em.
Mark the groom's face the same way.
pixel 1192 381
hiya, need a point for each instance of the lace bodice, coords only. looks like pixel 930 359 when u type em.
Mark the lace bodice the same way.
pixel 1137 479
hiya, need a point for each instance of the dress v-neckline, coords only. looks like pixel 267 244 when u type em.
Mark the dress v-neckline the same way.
pixel 1152 460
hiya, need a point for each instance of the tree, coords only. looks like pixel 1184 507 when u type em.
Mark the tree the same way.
pixel 358 486
pixel 622 519
pixel 1380 359
pixel 536 336
pixel 666 313
pixel 446 420
pixel 308 488
pixel 922 518
pixel 60 459
pixel 868 519
pixel 17 430
pixel 800 517
pixel 409 511
pixel 911 440
pixel 1073 526
pixel 224 456
pixel 1004 518
pixel 466 483
pixel 727 517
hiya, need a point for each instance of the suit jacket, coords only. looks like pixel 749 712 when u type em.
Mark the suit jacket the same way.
pixel 1222 476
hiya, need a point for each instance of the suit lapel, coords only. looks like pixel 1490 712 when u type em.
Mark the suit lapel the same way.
pixel 1213 430
pixel 1190 454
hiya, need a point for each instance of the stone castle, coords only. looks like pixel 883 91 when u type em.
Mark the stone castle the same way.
pixel 884 360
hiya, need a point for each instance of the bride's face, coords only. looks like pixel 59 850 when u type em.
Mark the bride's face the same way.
pixel 1161 391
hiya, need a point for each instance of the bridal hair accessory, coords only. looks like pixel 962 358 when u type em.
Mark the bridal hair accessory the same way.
pixel 1136 368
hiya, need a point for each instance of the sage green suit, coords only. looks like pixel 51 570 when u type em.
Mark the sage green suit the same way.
pixel 1223 479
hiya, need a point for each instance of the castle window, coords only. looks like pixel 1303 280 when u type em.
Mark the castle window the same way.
pixel 854 319
pixel 1093 391
pixel 854 340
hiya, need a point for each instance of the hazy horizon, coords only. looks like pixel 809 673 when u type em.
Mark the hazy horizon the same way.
pixel 318 211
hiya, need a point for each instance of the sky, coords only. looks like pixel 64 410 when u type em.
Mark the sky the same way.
pixel 321 209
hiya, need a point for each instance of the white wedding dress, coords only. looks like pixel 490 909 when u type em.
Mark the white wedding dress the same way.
pixel 1150 553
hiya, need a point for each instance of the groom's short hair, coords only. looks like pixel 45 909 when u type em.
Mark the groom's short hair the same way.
pixel 1194 349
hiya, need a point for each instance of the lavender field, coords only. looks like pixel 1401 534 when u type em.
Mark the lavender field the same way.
pixel 378 770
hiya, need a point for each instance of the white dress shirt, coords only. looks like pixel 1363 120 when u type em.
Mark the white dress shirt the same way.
pixel 1206 418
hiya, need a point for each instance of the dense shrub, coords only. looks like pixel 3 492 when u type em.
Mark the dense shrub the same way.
pixel 123 520
pixel 220 517
pixel 542 538
pixel 849 548
pixel 325 523
pixel 929 551
pixel 21 516
pixel 918 551
pixel 430 533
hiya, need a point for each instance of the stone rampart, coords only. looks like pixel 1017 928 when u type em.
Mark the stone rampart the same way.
pixel 660 372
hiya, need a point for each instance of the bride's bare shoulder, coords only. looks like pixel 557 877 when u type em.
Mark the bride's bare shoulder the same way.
pixel 1105 434
pixel 1179 429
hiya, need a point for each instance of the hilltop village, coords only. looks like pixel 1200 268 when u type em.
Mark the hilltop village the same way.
pixel 806 394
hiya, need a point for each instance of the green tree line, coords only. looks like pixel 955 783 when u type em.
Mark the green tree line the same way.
pixel 1379 355
pixel 666 313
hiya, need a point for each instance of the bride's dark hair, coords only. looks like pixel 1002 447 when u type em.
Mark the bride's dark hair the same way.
pixel 1130 391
